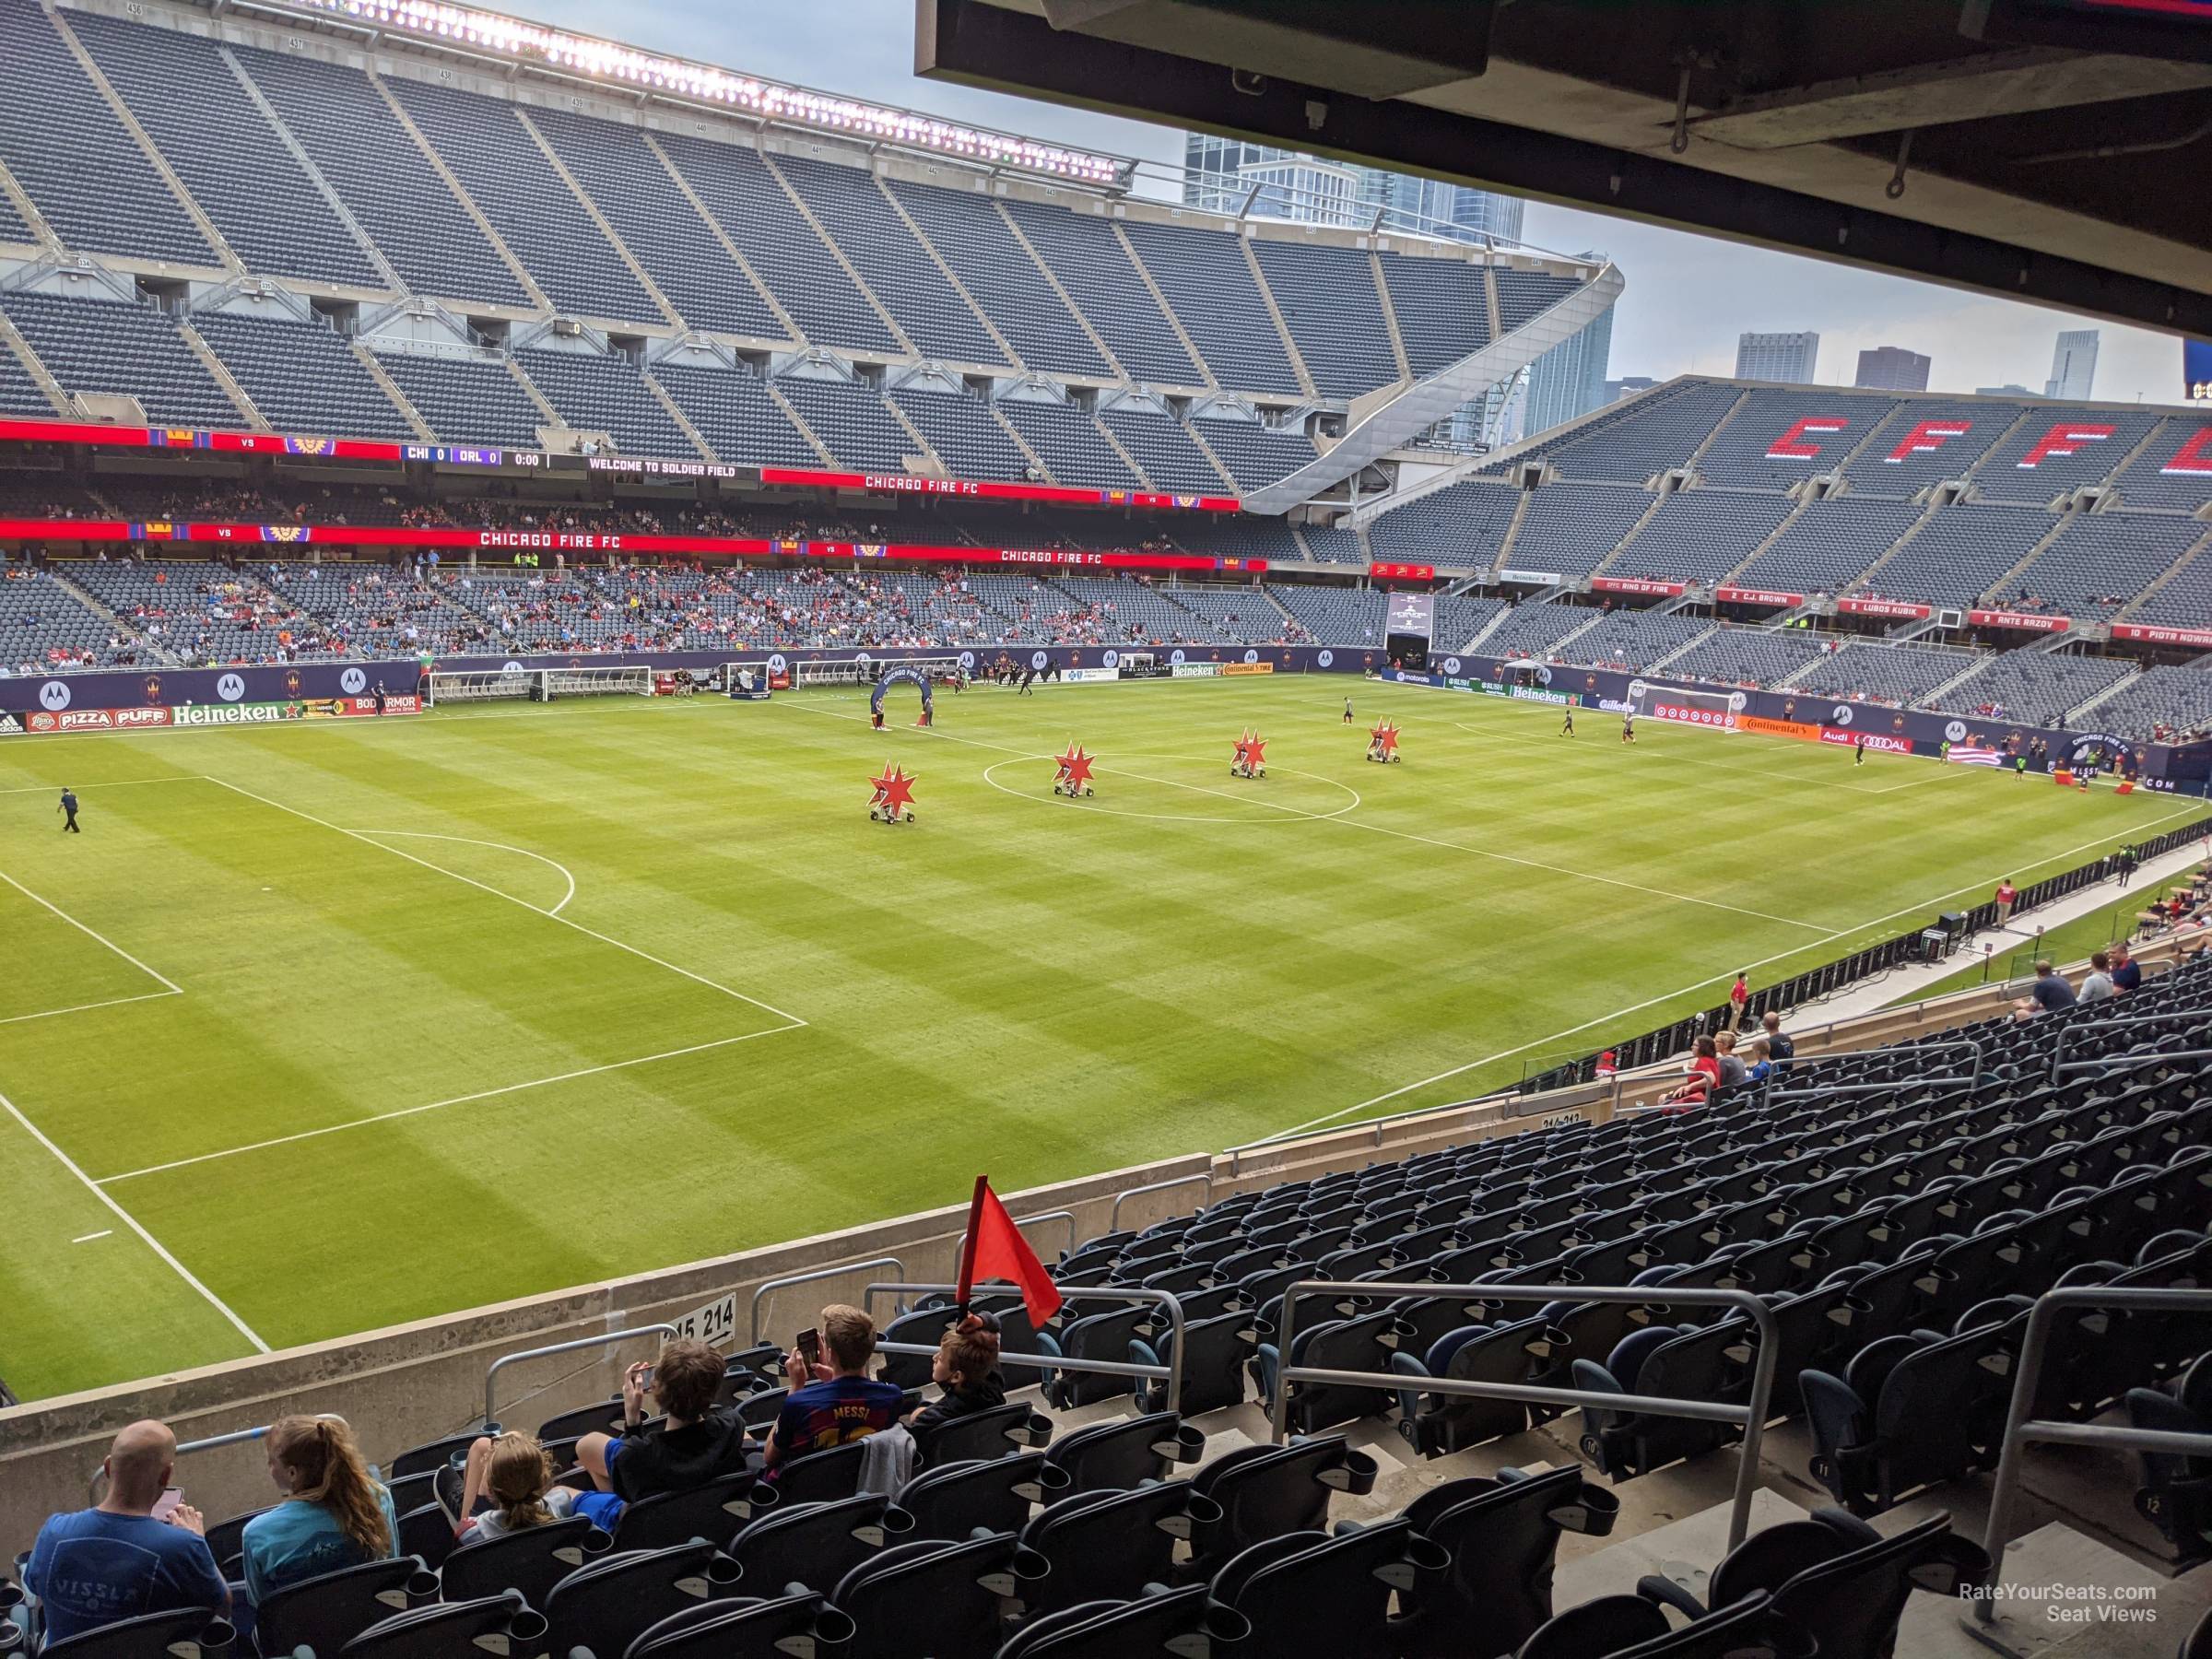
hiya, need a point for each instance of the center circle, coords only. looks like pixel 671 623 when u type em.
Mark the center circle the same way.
pixel 1279 813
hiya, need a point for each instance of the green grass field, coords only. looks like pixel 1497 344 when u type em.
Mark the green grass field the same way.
pixel 322 1027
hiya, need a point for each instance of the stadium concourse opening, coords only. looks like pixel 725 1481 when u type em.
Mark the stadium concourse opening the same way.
pixel 519 1119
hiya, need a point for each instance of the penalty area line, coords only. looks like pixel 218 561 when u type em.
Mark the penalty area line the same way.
pixel 481 1094
pixel 131 1221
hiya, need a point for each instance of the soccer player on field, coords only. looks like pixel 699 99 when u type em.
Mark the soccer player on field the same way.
pixel 1348 710
pixel 1628 726
pixel 1567 725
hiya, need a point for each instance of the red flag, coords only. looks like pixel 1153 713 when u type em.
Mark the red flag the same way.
pixel 996 1249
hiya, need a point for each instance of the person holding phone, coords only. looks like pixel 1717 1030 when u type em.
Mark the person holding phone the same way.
pixel 138 1550
pixel 833 1400
pixel 697 1441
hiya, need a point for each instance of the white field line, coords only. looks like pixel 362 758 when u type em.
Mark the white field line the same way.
pixel 105 1232
pixel 498 846
pixel 589 933
pixel 1352 823
pixel 55 789
pixel 171 985
pixel 131 1221
pixel 1712 979
pixel 1766 777
pixel 482 1094
pixel 113 1001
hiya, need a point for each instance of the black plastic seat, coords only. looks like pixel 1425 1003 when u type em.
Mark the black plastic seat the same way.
pixel 1308 1593
pixel 1114 1455
pixel 1627 1626
pixel 599 1609
pixel 426 1533
pixel 1441 1423
pixel 1693 1364
pixel 1185 1623
pixel 321 1615
pixel 1105 1546
pixel 1909 1411
pixel 816 1543
pixel 188 1633
pixel 713 1512
pixel 819 1477
pixel 746 1626
pixel 530 1562
pixel 438 1453
pixel 1836 1578
pixel 999 1432
pixel 456 1629
pixel 933 1598
pixel 1265 1491
pixel 1099 1337
pixel 951 1501
pixel 1213 1354
pixel 1500 1538
pixel 2176 1493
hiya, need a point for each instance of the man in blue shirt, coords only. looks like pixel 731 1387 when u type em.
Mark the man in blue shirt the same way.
pixel 68 808
pixel 118 1561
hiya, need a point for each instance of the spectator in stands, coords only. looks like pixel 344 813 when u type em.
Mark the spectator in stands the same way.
pixel 836 1401
pixel 1762 1061
pixel 1733 1069
pixel 2048 994
pixel 509 1486
pixel 119 1559
pixel 966 1368
pixel 1704 1074
pixel 698 1442
pixel 1779 1047
pixel 2098 984
pixel 335 1513
pixel 2128 973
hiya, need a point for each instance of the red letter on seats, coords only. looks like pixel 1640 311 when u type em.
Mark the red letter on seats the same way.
pixel 1791 445
pixel 2193 458
pixel 2063 439
pixel 1926 437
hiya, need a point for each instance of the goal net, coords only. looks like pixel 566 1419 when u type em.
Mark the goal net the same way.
pixel 1715 711
pixel 537 685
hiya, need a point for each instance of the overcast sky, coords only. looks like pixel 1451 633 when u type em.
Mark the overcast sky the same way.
pixel 1687 297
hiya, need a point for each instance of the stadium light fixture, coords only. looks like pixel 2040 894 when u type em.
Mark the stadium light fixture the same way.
pixel 768 100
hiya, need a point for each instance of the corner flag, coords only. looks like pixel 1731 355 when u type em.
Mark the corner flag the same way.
pixel 996 1249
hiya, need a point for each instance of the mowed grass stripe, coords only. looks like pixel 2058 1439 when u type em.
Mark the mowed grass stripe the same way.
pixel 1013 986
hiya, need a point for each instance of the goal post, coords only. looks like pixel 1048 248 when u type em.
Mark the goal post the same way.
pixel 536 684
pixel 1716 711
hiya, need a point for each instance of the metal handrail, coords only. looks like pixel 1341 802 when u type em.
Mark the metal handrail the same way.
pixel 2020 1429
pixel 2111 1060
pixel 1285 1138
pixel 961 1249
pixel 1113 1219
pixel 97 1484
pixel 1170 1373
pixel 604 1339
pixel 1752 1415
pixel 1940 1045
pixel 819 1273
pixel 2058 1048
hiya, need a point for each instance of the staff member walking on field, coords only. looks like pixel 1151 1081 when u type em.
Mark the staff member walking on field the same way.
pixel 68 811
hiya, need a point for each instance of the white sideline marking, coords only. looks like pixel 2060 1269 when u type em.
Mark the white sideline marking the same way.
pixel 482 1094
pixel 55 789
pixel 1714 979
pixel 113 1001
pixel 106 1232
pixel 171 985
pixel 131 1221
pixel 647 955
pixel 498 846
pixel 1802 780
pixel 1353 823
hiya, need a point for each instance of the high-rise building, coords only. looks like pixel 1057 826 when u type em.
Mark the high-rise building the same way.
pixel 2073 365
pixel 1789 359
pixel 1892 369
pixel 2007 390
pixel 1628 386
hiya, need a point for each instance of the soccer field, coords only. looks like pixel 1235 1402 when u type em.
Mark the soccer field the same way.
pixel 322 1027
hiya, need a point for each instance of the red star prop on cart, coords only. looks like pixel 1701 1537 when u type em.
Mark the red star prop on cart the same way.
pixel 1385 736
pixel 1075 766
pixel 1252 750
pixel 894 789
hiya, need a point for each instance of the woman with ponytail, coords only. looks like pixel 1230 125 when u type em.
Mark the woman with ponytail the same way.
pixel 966 1368
pixel 336 1513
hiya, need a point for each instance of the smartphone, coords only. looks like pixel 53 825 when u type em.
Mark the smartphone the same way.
pixel 646 1376
pixel 810 1346
pixel 165 1505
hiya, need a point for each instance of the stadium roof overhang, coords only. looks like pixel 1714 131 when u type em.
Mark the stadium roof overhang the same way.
pixel 2047 150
